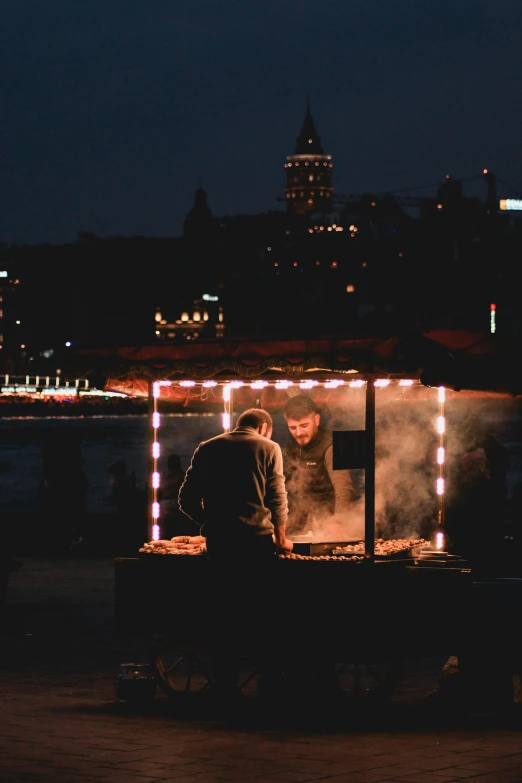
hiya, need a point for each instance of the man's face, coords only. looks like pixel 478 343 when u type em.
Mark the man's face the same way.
pixel 303 430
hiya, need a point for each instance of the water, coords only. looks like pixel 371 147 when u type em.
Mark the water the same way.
pixel 104 439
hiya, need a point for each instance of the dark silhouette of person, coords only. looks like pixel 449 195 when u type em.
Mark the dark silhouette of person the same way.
pixel 475 512
pixel 131 508
pixel 62 490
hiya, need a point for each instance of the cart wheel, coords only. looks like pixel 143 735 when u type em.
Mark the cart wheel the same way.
pixel 178 670
pixel 373 681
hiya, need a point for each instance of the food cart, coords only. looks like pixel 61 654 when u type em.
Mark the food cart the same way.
pixel 360 602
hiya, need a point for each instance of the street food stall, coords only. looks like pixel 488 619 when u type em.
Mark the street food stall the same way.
pixel 363 596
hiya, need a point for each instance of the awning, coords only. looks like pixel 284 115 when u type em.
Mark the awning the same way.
pixel 459 360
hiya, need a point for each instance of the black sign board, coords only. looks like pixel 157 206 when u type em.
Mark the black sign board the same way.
pixel 349 449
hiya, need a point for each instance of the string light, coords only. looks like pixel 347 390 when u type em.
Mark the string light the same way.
pixel 441 458
pixel 226 416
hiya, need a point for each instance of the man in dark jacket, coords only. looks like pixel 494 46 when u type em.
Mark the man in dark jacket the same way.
pixel 315 490
pixel 235 490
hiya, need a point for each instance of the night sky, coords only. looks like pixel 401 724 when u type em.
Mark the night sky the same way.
pixel 114 111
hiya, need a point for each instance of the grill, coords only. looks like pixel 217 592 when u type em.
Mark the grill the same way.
pixel 304 546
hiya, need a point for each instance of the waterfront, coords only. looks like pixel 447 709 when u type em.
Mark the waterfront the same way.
pixel 105 439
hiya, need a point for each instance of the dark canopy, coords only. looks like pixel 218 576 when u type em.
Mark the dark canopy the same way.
pixel 458 360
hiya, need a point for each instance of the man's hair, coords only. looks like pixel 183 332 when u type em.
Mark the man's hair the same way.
pixel 254 417
pixel 300 406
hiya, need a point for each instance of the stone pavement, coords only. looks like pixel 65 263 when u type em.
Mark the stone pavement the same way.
pixel 61 721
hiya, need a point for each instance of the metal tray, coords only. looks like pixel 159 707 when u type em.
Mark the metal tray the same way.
pixel 302 547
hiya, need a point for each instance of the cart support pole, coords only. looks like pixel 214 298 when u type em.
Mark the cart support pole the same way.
pixel 369 479
pixel 151 404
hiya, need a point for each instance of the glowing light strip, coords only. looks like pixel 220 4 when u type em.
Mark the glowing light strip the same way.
pixel 226 417
pixel 155 477
pixel 492 318
pixel 441 458
pixel 333 383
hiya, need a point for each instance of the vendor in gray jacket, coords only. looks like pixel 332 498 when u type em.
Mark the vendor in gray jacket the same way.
pixel 315 490
pixel 235 489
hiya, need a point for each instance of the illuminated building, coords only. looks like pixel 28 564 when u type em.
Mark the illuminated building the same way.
pixel 308 173
pixel 203 319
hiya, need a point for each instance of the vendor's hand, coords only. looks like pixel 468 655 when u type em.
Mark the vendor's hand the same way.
pixel 285 546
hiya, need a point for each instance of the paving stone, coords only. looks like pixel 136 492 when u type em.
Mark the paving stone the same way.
pixel 62 723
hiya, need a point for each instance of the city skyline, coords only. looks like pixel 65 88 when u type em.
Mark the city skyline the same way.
pixel 114 115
